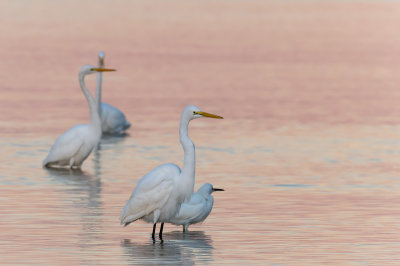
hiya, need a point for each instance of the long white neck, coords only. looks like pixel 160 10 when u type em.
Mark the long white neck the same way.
pixel 189 161
pixel 94 114
pixel 98 88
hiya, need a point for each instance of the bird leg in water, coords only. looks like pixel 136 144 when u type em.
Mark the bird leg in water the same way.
pixel 161 229
pixel 154 232
pixel 186 228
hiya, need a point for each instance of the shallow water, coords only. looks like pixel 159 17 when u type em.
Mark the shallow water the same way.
pixel 308 152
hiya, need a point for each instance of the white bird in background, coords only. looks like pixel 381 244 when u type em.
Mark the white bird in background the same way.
pixel 113 121
pixel 197 209
pixel 159 194
pixel 74 146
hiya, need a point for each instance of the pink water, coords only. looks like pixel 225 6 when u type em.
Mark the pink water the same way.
pixel 308 152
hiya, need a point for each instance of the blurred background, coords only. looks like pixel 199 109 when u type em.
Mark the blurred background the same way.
pixel 308 152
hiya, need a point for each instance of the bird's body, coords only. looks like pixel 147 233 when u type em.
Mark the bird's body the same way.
pixel 157 190
pixel 74 146
pixel 197 209
pixel 113 120
pixel 160 193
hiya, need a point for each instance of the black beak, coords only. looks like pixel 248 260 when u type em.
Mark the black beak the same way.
pixel 218 189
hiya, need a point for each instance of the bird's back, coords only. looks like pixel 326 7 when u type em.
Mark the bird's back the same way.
pixel 67 145
pixel 112 119
pixel 191 211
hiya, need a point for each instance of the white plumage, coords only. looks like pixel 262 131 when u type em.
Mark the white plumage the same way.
pixel 197 209
pixel 154 192
pixel 159 194
pixel 113 120
pixel 74 146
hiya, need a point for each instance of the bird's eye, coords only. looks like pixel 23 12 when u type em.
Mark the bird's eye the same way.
pixel 194 112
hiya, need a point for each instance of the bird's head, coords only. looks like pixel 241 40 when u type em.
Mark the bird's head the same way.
pixel 101 59
pixel 207 189
pixel 88 69
pixel 193 112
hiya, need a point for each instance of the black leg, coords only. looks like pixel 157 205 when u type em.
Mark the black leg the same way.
pixel 154 232
pixel 183 226
pixel 161 229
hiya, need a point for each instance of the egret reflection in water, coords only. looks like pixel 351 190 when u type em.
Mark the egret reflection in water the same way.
pixel 84 196
pixel 78 183
pixel 180 248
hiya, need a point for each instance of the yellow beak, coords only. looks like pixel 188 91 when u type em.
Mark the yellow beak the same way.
pixel 102 69
pixel 208 115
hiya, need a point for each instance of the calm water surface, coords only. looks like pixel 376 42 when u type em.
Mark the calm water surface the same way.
pixel 308 152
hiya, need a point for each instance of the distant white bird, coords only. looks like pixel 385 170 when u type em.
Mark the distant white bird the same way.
pixel 113 120
pixel 74 146
pixel 197 209
pixel 159 194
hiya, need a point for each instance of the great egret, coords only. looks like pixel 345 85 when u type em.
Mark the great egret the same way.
pixel 113 121
pixel 197 209
pixel 74 146
pixel 159 194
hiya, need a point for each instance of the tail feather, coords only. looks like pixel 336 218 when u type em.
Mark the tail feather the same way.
pixel 127 125
pixel 46 161
pixel 129 215
pixel 126 224
pixel 131 218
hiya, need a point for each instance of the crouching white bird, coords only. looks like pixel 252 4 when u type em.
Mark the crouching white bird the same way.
pixel 113 120
pixel 197 209
pixel 74 146
pixel 159 194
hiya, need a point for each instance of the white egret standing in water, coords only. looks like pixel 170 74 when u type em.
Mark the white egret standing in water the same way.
pixel 197 209
pixel 113 120
pixel 74 146
pixel 159 194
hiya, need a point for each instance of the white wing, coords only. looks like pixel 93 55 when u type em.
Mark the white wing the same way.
pixel 112 119
pixel 67 145
pixel 151 193
pixel 190 210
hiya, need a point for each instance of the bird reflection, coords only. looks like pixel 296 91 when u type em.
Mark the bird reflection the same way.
pixel 80 184
pixel 186 248
pixel 116 137
pixel 107 139
pixel 110 145
pixel 82 199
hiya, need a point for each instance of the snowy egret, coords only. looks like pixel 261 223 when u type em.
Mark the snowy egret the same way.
pixel 159 194
pixel 197 209
pixel 74 146
pixel 113 121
